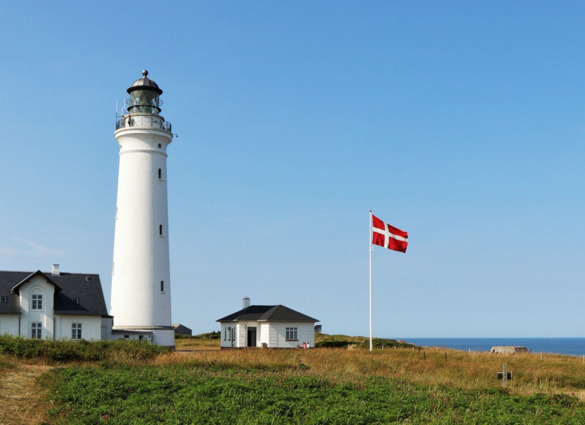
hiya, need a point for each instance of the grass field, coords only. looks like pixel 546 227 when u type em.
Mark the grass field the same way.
pixel 201 384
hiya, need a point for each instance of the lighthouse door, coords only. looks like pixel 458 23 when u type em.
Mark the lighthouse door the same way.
pixel 252 336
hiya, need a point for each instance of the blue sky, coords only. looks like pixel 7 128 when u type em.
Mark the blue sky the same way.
pixel 461 122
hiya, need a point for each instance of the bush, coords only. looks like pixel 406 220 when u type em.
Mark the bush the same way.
pixel 69 351
pixel 332 344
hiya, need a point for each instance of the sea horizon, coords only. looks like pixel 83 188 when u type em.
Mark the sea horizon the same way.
pixel 572 346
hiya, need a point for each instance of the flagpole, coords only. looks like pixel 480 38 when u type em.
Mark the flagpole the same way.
pixel 370 243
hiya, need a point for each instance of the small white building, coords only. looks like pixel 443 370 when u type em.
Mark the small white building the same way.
pixel 53 305
pixel 269 326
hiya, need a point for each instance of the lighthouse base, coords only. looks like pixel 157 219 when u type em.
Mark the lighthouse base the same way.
pixel 159 335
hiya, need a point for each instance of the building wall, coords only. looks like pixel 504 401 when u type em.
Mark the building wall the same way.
pixel 271 334
pixel 37 286
pixel 132 335
pixel 9 324
pixel 106 328
pixel 265 334
pixel 90 326
pixel 277 337
pixel 228 335
pixel 182 330
pixel 235 335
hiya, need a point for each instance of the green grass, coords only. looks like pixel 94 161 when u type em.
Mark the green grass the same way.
pixel 126 382
pixel 191 394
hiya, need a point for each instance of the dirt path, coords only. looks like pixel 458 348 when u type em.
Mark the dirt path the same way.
pixel 20 395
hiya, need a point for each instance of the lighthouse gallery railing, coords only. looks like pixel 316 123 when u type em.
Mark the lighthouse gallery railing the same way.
pixel 148 121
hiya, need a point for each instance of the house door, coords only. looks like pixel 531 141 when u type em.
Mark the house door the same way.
pixel 252 336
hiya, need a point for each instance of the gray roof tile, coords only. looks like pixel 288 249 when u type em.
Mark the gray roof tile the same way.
pixel 70 287
pixel 267 313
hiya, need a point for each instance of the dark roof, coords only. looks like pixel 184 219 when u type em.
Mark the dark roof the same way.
pixel 16 288
pixel 144 83
pixel 7 281
pixel 267 313
pixel 69 288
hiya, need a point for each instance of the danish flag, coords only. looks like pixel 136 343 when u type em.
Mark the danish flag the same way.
pixel 387 236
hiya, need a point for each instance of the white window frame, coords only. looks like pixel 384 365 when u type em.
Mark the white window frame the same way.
pixel 292 333
pixel 76 330
pixel 37 302
pixel 36 330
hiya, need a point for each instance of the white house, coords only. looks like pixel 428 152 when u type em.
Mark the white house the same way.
pixel 53 305
pixel 270 326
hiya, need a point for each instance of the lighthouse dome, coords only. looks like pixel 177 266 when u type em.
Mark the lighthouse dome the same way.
pixel 144 83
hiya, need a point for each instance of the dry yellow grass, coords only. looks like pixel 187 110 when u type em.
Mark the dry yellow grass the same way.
pixel 532 373
pixel 21 397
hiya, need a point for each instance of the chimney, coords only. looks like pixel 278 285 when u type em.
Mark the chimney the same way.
pixel 245 302
pixel 55 270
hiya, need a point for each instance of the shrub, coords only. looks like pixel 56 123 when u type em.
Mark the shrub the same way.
pixel 69 351
pixel 332 344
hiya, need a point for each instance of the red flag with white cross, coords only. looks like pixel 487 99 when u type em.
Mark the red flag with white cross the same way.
pixel 388 236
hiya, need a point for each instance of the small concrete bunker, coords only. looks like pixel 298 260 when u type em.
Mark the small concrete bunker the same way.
pixel 509 349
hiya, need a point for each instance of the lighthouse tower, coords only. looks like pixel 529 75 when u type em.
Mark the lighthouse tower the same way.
pixel 141 286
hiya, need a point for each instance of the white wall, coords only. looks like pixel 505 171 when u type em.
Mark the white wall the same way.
pixel 45 315
pixel 91 326
pixel 226 339
pixel 277 335
pixel 106 326
pixel 141 254
pixel 131 336
pixel 271 334
pixel 9 324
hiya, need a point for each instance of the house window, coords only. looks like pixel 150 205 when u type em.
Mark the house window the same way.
pixel 230 334
pixel 37 302
pixel 4 299
pixel 76 331
pixel 291 334
pixel 36 330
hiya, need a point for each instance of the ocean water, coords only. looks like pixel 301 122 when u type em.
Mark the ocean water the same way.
pixel 567 346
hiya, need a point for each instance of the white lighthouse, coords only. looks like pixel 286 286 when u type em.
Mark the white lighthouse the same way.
pixel 141 284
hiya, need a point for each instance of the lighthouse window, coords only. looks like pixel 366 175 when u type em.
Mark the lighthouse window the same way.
pixel 159 146
pixel 160 229
pixel 162 285
pixel 159 173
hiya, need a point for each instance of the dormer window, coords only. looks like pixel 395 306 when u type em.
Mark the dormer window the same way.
pixel 3 299
pixel 37 302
